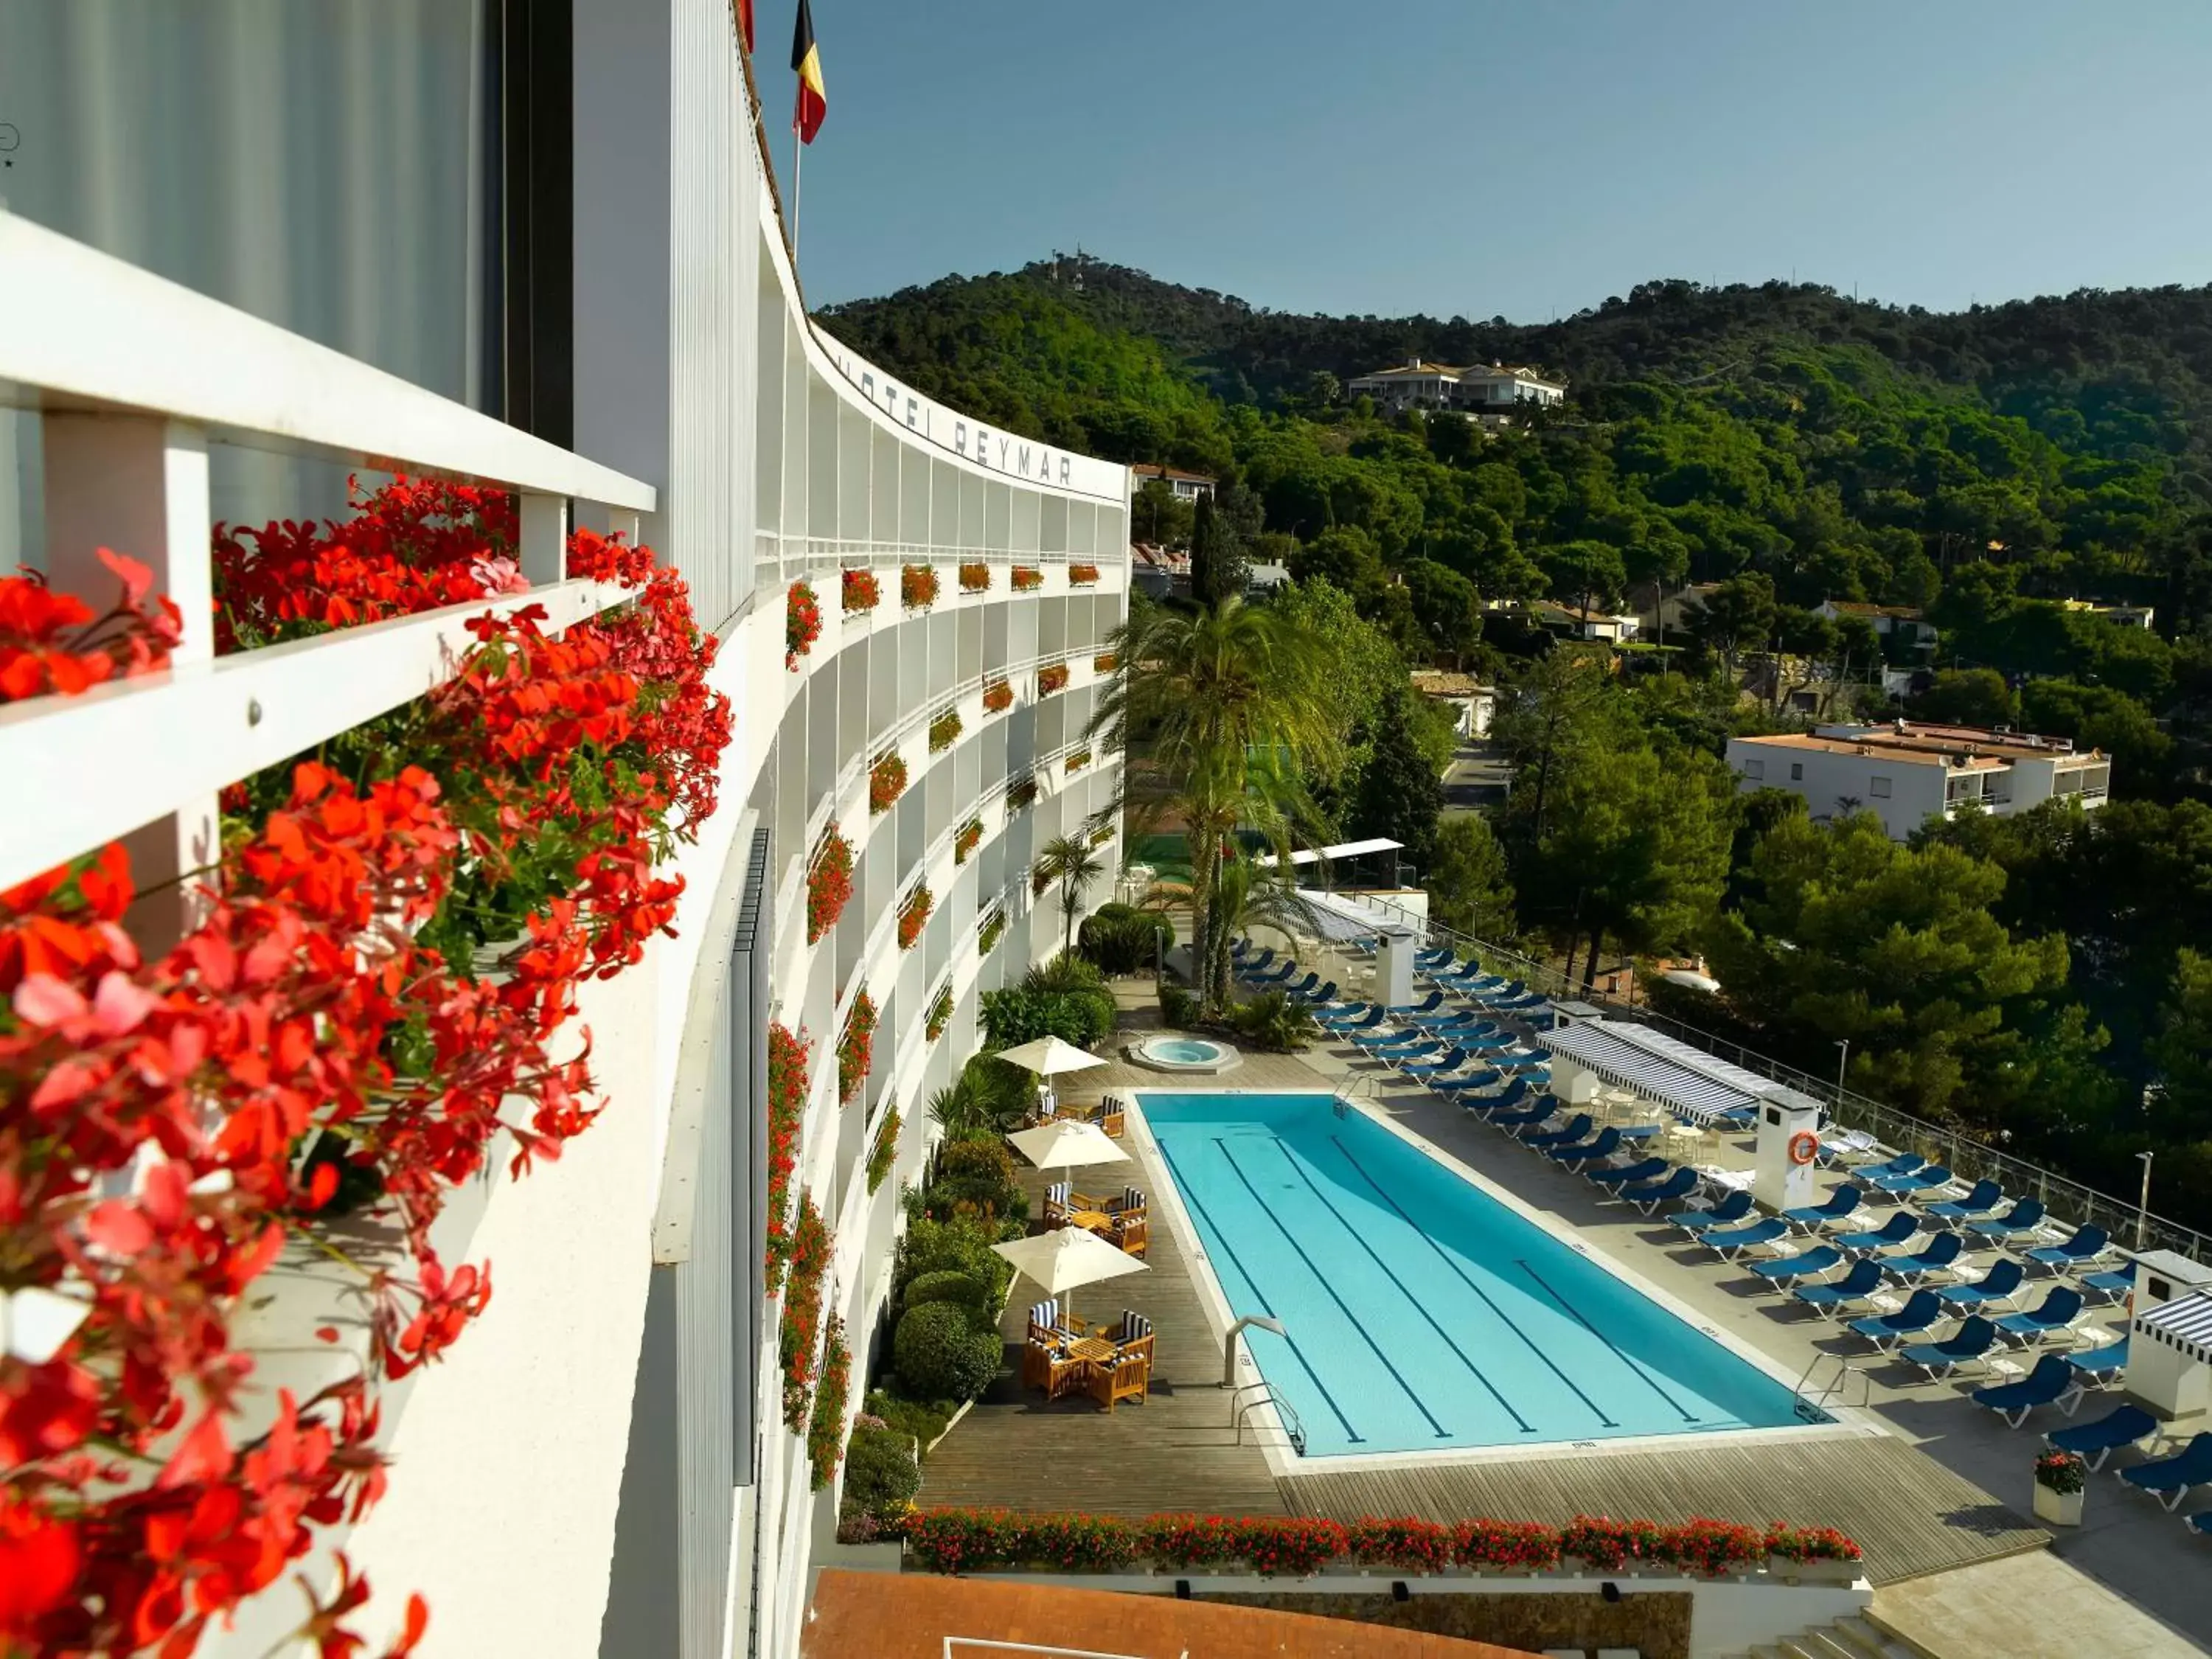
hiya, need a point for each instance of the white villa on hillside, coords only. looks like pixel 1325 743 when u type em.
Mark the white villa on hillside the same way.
pixel 1184 486
pixel 1905 772
pixel 1490 391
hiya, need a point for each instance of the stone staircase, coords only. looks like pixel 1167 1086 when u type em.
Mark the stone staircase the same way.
pixel 1859 1637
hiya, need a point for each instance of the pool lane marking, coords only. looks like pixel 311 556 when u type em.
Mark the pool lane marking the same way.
pixel 1445 1256
pixel 1526 1427
pixel 1575 1314
pixel 1322 1279
pixel 1221 1242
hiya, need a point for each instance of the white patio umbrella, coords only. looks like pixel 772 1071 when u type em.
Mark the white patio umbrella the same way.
pixel 1063 1260
pixel 1048 1056
pixel 1064 1145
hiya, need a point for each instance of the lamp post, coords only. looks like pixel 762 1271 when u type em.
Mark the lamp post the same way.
pixel 1229 1343
pixel 2142 1207
pixel 1842 1065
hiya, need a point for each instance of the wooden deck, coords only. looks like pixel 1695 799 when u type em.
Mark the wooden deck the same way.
pixel 1911 1515
pixel 1017 1450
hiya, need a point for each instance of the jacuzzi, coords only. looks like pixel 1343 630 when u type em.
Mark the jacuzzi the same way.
pixel 1190 1056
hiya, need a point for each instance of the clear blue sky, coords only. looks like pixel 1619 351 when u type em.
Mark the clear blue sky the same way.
pixel 1509 156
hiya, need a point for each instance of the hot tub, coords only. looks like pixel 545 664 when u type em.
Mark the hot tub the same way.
pixel 1186 1055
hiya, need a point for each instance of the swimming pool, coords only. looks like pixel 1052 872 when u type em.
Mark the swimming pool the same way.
pixel 1424 1315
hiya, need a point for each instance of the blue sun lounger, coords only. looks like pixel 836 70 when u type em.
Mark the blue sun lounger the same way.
pixel 2114 1287
pixel 1913 1181
pixel 1903 1163
pixel 2023 1218
pixel 2052 1317
pixel 1324 994
pixel 1970 1344
pixel 1432 959
pixel 2091 1244
pixel 1466 1087
pixel 1919 1315
pixel 1731 1242
pixel 1363 1019
pixel 1732 1208
pixel 1576 1127
pixel 1526 1117
pixel 1450 1061
pixel 1276 975
pixel 1427 1004
pixel 2123 1425
pixel 2044 1386
pixel 2000 1283
pixel 1628 1175
pixel 1607 1144
pixel 1652 1196
pixel 1895 1231
pixel 1984 1199
pixel 2190 1467
pixel 1940 1256
pixel 1392 1040
pixel 2096 1368
pixel 1526 1002
pixel 1810 1264
pixel 1840 1297
pixel 1814 1217
pixel 1514 1094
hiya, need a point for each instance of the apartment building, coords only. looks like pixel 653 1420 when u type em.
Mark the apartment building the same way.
pixel 1491 391
pixel 1907 773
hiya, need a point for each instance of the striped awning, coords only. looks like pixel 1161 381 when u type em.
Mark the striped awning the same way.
pixel 1334 921
pixel 2184 1324
pixel 1662 1068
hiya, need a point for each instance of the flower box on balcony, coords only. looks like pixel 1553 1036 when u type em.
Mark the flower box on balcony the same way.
pixel 1021 796
pixel 915 917
pixel 1027 577
pixel 802 623
pixel 828 883
pixel 1051 678
pixel 998 697
pixel 884 1152
pixel 994 929
pixel 944 731
pixel 862 592
pixel 964 843
pixel 975 578
pixel 1104 663
pixel 1076 762
pixel 886 782
pixel 917 587
pixel 940 1015
pixel 856 1047
pixel 1083 575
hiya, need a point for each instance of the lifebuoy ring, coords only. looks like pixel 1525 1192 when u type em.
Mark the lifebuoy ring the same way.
pixel 1804 1147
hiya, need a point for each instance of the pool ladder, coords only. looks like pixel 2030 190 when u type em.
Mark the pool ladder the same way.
pixel 1240 1408
pixel 1810 1400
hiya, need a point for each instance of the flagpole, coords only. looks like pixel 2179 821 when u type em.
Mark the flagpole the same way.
pixel 797 186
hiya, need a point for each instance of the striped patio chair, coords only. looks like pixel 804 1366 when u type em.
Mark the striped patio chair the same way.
pixel 1055 1204
pixel 1134 1336
pixel 1113 1117
pixel 1044 1320
pixel 1132 1201
pixel 1133 1231
pixel 1119 1379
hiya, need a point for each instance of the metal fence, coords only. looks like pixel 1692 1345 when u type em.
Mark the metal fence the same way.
pixel 1897 1130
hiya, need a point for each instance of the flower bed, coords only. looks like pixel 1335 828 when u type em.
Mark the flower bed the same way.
pixel 917 587
pixel 998 697
pixel 1105 662
pixel 1021 796
pixel 856 1047
pixel 914 917
pixel 969 838
pixel 1027 577
pixel 1083 575
pixel 387 948
pixel 1052 678
pixel 825 1428
pixel 886 781
pixel 883 1151
pixel 994 929
pixel 787 1110
pixel 828 883
pixel 975 578
pixel 952 1540
pixel 1076 762
pixel 940 1015
pixel 799 1339
pixel 945 730
pixel 802 623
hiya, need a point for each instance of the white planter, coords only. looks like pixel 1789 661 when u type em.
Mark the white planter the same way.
pixel 2059 1509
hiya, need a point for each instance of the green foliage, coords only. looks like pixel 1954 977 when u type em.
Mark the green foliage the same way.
pixel 1178 1008
pixel 985 1100
pixel 940 1354
pixel 923 1420
pixel 961 1244
pixel 975 1178
pixel 1274 1021
pixel 1469 885
pixel 1967 696
pixel 881 1474
pixel 953 1286
pixel 1401 792
pixel 1119 938
pixel 1066 998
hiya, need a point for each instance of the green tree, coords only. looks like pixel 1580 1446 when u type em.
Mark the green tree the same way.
pixel 1399 794
pixel 1217 567
pixel 1968 696
pixel 1735 617
pixel 1586 572
pixel 1069 861
pixel 1447 608
pixel 1469 885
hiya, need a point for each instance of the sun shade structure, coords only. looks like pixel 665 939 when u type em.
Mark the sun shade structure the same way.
pixel 1660 1068
pixel 1336 920
pixel 1350 849
pixel 1067 1259
pixel 1065 1146
pixel 1048 1056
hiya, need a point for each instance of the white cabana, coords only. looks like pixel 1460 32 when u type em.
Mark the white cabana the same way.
pixel 1066 1260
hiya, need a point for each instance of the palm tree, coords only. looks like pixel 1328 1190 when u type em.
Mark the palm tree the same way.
pixel 1069 860
pixel 1228 708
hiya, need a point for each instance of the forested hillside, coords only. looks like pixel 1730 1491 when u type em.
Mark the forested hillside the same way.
pixel 2036 980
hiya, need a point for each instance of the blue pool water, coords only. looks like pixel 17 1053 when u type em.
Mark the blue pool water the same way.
pixel 1188 1051
pixel 1425 1316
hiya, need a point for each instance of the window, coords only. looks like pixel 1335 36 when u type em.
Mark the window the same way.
pixel 1754 769
pixel 1878 787
pixel 1796 771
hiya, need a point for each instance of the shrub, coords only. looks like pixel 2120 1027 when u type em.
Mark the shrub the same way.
pixel 1083 575
pixel 885 1152
pixel 862 592
pixel 828 883
pixel 1050 1002
pixel 943 731
pixel 975 578
pixel 969 838
pixel 886 781
pixel 915 917
pixel 958 1244
pixel 939 1352
pixel 802 623
pixel 1289 1545
pixel 998 697
pixel 976 1178
pixel 951 1285
pixel 1121 938
pixel 917 587
pixel 881 1472
pixel 1274 1021
pixel 1051 678
pixel 825 1429
pixel 1178 1007
pixel 925 1421
pixel 1105 662
pixel 1027 577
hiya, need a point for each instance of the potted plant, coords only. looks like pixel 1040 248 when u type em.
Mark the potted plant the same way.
pixel 2061 1480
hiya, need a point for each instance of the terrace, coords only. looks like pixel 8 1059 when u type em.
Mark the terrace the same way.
pixel 1933 1487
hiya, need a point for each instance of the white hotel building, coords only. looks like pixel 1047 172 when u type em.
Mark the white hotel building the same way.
pixel 251 246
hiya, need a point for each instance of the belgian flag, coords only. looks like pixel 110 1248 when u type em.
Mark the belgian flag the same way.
pixel 807 61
